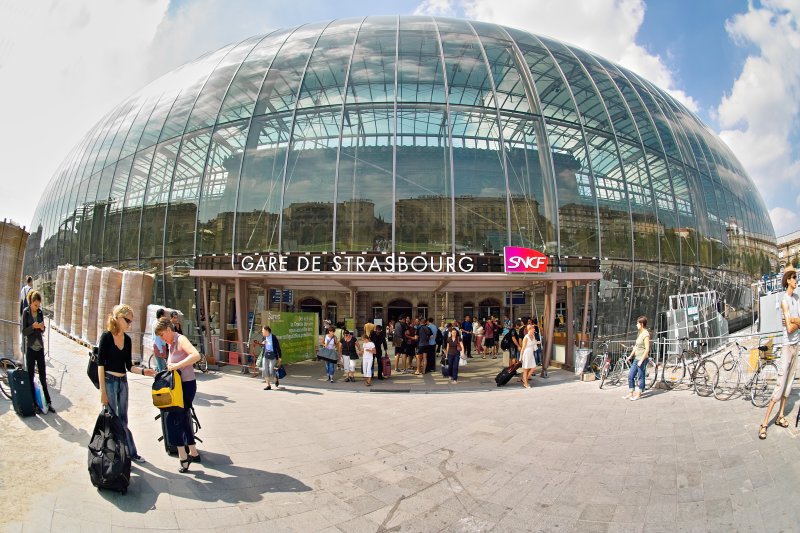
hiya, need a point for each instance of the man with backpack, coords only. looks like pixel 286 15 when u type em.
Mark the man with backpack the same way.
pixel 436 337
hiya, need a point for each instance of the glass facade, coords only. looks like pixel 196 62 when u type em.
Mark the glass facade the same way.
pixel 409 134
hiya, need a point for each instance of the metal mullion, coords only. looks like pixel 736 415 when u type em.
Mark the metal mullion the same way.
pixel 585 146
pixel 290 143
pixel 334 236
pixel 449 139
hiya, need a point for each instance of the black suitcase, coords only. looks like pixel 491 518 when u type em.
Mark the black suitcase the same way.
pixel 20 384
pixel 109 455
pixel 170 448
pixel 506 374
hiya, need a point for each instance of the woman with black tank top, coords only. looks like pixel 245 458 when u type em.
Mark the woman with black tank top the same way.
pixel 113 364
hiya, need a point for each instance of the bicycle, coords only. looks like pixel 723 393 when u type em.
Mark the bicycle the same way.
pixel 761 384
pixel 614 374
pixel 703 376
pixel 6 366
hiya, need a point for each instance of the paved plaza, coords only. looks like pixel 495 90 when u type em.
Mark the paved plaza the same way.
pixel 421 456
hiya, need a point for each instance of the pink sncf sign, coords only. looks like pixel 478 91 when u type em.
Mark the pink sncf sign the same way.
pixel 518 259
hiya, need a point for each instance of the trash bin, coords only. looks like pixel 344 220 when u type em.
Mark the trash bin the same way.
pixel 581 358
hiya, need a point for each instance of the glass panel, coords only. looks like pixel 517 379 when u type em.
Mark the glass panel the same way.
pixel 114 211
pixel 624 127
pixel 307 223
pixel 364 189
pixel 78 228
pixel 646 227
pixel 284 76
pixel 670 216
pixel 205 110
pixel 589 104
pixel 190 80
pixel 480 185
pixel 612 198
pixel 577 212
pixel 372 72
pixel 218 192
pixel 323 83
pixel 553 93
pixel 123 123
pixel 533 205
pixel 184 195
pixel 423 193
pixel 419 71
pixel 158 185
pixel 468 79
pixel 509 84
pixel 241 96
pixel 660 120
pixel 139 123
pixel 261 188
pixel 132 209
pixel 155 124
pixel 86 230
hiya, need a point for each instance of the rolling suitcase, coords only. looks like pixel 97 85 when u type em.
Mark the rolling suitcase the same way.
pixel 387 367
pixel 109 454
pixel 20 384
pixel 506 374
pixel 170 448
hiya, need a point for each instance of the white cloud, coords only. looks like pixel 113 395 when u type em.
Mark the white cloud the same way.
pixel 758 116
pixel 605 27
pixel 438 8
pixel 63 65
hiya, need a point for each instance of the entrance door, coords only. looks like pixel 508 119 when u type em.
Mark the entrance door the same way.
pixel 398 308
pixel 312 305
pixel 489 307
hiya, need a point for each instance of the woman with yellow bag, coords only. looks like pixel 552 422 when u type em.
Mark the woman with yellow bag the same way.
pixel 182 355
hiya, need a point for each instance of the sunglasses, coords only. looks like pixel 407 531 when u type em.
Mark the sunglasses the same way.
pixel 126 319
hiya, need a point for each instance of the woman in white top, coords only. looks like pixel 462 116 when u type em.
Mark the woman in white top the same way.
pixel 367 355
pixel 529 347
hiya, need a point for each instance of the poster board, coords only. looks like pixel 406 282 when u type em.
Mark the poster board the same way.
pixel 297 333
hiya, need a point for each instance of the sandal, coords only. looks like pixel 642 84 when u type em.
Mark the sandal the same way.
pixel 782 422
pixel 762 433
pixel 184 465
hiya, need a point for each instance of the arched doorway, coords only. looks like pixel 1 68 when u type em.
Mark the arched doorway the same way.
pixel 489 307
pixel 398 308
pixel 312 305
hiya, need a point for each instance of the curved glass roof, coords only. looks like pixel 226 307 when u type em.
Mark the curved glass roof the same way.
pixel 402 134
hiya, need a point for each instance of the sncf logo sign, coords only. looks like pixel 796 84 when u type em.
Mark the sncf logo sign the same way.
pixel 518 259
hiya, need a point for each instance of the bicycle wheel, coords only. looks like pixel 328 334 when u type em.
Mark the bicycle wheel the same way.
pixel 729 378
pixel 706 376
pixel 604 372
pixel 619 369
pixel 597 365
pixel 6 365
pixel 674 370
pixel 764 384
pixel 650 373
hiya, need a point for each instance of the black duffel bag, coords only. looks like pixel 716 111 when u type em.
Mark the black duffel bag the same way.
pixel 109 454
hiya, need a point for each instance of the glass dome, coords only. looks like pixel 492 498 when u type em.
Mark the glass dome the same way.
pixel 409 134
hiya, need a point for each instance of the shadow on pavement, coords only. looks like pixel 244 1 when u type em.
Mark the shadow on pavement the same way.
pixel 205 399
pixel 217 479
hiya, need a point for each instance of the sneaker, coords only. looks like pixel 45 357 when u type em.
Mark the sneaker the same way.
pixel 330 380
pixel 138 459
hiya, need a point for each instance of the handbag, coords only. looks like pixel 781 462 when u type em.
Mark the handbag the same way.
pixel 168 391
pixel 462 361
pixel 328 354
pixel 260 360
pixel 280 372
pixel 91 368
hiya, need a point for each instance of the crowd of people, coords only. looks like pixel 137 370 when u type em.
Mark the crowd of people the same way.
pixel 418 343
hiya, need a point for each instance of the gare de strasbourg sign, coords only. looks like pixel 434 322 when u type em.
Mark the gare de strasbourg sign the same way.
pixel 516 260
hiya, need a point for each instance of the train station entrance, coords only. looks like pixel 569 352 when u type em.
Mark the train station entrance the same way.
pixel 361 288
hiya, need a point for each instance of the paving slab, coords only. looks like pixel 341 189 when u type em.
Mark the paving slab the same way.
pixel 407 454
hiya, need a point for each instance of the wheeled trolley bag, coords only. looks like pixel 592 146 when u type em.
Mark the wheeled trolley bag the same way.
pixel 109 454
pixel 167 418
pixel 506 374
pixel 20 384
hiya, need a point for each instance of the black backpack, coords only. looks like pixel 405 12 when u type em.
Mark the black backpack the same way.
pixel 109 455
pixel 439 337
pixel 505 344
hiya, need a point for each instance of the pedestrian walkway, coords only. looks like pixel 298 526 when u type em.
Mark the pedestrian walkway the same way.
pixel 562 457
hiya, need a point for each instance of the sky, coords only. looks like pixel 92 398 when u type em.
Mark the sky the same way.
pixel 65 63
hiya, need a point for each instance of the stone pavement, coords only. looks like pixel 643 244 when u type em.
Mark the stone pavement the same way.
pixel 562 456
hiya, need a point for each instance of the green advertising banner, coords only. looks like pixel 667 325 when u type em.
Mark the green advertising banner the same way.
pixel 297 333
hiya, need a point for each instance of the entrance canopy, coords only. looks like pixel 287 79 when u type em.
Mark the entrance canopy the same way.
pixel 407 281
